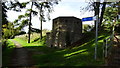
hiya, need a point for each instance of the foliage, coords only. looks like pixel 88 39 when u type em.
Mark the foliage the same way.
pixel 110 16
pixel 4 11
pixel 45 7
pixel 15 5
pixel 86 27
pixel 8 31
pixel 109 10
pixel 110 13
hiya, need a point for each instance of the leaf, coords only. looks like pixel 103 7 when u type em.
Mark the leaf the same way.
pixel 27 14
pixel 16 21
pixel 21 16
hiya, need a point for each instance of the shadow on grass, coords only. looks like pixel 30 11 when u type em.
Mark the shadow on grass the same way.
pixel 6 53
pixel 78 56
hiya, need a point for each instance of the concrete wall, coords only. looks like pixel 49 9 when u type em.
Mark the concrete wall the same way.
pixel 65 31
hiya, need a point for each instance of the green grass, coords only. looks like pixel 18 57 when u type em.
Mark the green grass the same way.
pixel 78 56
pixel 6 54
pixel 33 36
pixel 25 44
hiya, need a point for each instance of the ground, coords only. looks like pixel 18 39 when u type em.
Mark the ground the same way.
pixel 39 55
pixel 21 56
pixel 114 58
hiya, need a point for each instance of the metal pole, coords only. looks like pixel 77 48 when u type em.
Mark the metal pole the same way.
pixel 96 38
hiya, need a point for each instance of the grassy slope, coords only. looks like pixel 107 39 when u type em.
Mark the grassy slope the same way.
pixel 35 36
pixel 77 56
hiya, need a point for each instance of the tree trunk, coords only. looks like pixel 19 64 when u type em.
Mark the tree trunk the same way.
pixel 119 8
pixel 41 21
pixel 41 28
pixel 30 24
pixel 102 13
pixel 96 8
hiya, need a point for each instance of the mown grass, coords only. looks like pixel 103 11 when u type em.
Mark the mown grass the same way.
pixel 33 37
pixel 6 54
pixel 25 43
pixel 82 55
pixel 77 56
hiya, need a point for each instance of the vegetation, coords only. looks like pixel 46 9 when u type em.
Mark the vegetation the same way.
pixel 101 9
pixel 82 55
pixel 86 28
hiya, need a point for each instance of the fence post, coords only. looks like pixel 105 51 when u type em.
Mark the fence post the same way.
pixel 103 49
pixel 106 48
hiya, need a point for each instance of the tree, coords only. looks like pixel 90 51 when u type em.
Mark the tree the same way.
pixel 95 6
pixel 110 15
pixel 97 10
pixel 42 7
pixel 17 6
pixel 30 23
pixel 102 14
pixel 9 31
pixel 8 27
pixel 13 5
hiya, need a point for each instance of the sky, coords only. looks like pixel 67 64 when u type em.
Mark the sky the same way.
pixel 64 8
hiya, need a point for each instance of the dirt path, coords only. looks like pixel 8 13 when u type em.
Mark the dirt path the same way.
pixel 17 45
pixel 114 59
pixel 21 57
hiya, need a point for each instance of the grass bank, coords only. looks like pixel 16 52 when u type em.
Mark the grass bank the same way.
pixel 78 56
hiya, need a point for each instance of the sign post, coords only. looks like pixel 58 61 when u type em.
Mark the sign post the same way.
pixel 96 38
pixel 96 33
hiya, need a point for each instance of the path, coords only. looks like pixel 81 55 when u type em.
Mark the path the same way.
pixel 114 59
pixel 21 56
pixel 17 45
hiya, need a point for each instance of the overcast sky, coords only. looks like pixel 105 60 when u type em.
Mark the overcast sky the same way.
pixel 64 8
